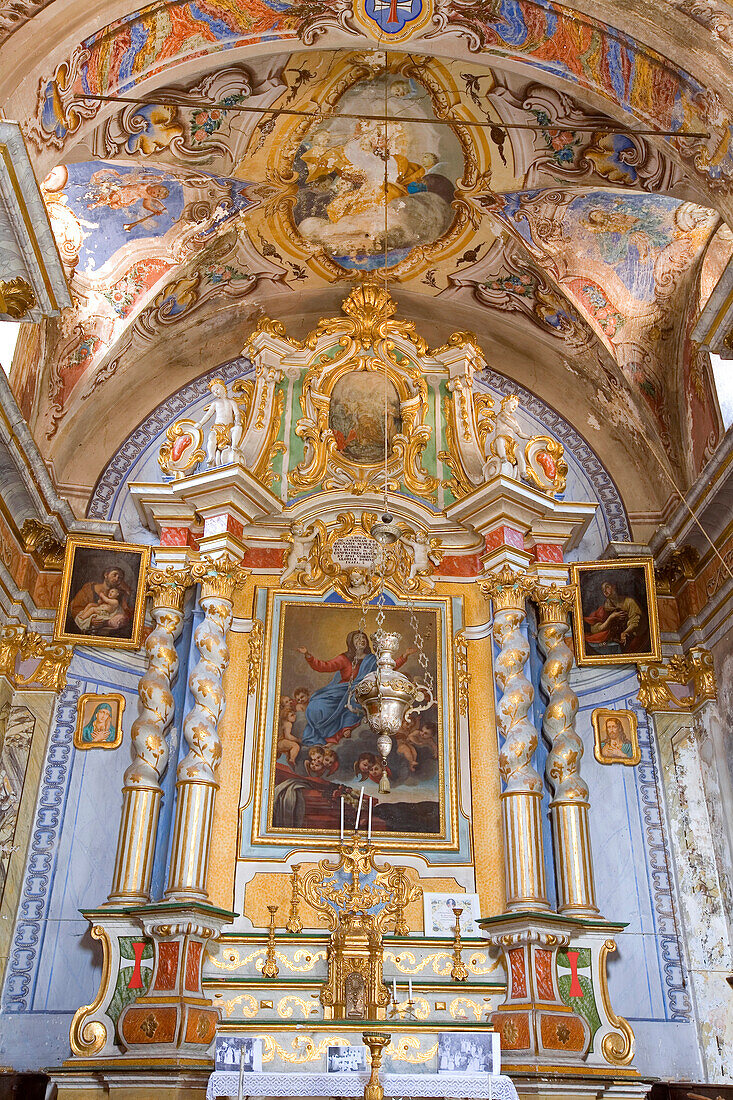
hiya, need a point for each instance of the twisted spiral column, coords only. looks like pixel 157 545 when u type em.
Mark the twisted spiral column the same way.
pixel 570 804
pixel 521 798
pixel 141 791
pixel 197 782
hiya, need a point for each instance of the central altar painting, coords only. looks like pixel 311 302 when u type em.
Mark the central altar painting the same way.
pixel 315 745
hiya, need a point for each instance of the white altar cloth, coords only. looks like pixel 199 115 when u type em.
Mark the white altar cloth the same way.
pixel 457 1086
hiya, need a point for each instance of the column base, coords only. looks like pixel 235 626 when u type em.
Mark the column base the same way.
pixel 174 1019
pixel 557 1010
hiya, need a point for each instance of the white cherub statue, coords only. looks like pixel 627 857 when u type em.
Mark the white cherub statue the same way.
pixel 299 554
pixel 423 557
pixel 225 434
pixel 503 449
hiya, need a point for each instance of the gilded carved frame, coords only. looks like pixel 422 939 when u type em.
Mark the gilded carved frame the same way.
pixel 262 832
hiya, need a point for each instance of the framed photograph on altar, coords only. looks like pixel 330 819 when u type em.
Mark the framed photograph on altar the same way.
pixel 472 1052
pixel 99 721
pixel 615 612
pixel 346 1059
pixel 616 739
pixel 233 1052
pixel 315 746
pixel 440 920
pixel 102 594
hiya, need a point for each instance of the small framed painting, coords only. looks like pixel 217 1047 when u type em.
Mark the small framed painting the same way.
pixel 99 721
pixel 616 740
pixel 102 594
pixel 615 612
pixel 440 920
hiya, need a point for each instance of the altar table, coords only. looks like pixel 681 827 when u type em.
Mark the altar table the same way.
pixel 457 1086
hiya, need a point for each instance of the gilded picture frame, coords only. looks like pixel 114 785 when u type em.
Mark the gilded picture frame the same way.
pixel 99 721
pixel 615 612
pixel 276 819
pixel 616 738
pixel 102 599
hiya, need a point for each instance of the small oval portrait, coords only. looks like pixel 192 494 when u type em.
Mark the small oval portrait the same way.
pixel 99 721
pixel 616 740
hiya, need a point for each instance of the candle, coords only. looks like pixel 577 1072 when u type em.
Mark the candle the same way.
pixel 409 990
pixel 240 1089
pixel 394 990
pixel 358 808
pixel 369 832
pixel 342 817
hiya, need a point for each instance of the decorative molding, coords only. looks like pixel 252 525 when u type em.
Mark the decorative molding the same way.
pixel 16 298
pixel 694 669
pixel 40 540
pixel 679 567
pixel 19 643
pixel 36 892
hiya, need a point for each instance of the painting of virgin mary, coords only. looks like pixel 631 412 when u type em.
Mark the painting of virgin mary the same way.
pixel 99 721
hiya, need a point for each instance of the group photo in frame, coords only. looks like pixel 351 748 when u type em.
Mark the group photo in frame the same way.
pixel 615 612
pixel 102 594
pixel 99 721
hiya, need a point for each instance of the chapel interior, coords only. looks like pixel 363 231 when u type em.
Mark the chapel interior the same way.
pixel 366 549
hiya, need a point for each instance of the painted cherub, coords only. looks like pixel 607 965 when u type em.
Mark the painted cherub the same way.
pixel 287 743
pixel 225 434
pixel 106 610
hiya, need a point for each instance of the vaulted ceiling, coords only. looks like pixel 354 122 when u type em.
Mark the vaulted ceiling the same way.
pixel 501 197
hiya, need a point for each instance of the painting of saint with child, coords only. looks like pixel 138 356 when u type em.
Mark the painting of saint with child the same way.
pixel 323 748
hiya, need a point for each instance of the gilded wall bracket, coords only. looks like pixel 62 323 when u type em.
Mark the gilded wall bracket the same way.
pixel 693 670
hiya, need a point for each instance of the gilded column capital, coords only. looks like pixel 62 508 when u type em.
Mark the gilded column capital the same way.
pixel 167 587
pixel 554 602
pixel 508 588
pixel 219 577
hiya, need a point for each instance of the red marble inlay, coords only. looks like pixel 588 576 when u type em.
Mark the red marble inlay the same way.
pixel 174 536
pixel 519 976
pixel 543 975
pixel 504 536
pixel 548 551
pixel 192 965
pixel 459 565
pixel 265 557
pixel 167 965
pixel 562 1031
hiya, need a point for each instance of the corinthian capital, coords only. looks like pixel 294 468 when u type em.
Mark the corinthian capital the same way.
pixel 219 576
pixel 168 587
pixel 508 588
pixel 555 602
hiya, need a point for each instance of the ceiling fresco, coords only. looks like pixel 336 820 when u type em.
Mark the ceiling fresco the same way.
pixel 504 191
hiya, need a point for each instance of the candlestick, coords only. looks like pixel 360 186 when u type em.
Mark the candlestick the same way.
pixel 376 1041
pixel 342 817
pixel 358 809
pixel 459 972
pixel 270 969
pixel 369 829
pixel 294 923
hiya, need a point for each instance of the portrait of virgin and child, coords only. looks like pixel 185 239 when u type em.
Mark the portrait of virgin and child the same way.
pixel 102 594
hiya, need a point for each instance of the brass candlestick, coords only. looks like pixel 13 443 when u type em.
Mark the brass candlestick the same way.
pixel 294 923
pixel 270 968
pixel 376 1041
pixel 459 972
